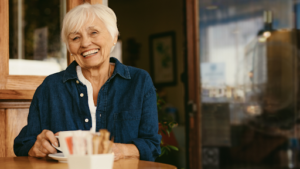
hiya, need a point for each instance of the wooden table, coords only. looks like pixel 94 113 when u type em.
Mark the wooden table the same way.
pixel 46 163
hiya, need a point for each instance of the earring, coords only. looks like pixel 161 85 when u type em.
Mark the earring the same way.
pixel 71 54
pixel 114 44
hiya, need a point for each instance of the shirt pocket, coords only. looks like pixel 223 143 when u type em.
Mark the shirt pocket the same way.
pixel 126 125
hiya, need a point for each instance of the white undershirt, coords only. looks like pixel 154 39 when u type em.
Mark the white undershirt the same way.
pixel 89 87
pixel 90 96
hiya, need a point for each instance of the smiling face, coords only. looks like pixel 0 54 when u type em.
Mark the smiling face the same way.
pixel 91 44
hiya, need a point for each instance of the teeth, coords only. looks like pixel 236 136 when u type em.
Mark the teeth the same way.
pixel 90 52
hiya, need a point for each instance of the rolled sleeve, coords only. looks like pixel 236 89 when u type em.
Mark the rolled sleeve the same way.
pixel 22 145
pixel 148 141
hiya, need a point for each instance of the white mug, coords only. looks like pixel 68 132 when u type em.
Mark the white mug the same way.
pixel 62 142
pixel 63 147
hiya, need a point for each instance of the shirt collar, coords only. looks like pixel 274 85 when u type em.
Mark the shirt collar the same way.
pixel 120 69
pixel 70 72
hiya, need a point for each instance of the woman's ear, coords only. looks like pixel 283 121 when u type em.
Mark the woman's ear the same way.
pixel 115 39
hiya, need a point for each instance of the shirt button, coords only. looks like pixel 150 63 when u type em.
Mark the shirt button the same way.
pixel 100 115
pixel 77 81
pixel 86 120
pixel 81 94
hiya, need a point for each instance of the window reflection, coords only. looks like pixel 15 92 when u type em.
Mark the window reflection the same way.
pixel 248 53
pixel 35 47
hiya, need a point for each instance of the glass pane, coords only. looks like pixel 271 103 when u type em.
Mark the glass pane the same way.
pixel 35 47
pixel 249 72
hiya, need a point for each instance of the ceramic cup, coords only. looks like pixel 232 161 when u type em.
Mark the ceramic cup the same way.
pixel 62 142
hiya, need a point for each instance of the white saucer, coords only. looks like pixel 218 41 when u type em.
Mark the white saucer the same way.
pixel 59 156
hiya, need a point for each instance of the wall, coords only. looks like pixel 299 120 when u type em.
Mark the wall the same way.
pixel 13 117
pixel 140 19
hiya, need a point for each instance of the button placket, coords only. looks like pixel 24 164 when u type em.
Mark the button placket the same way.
pixel 104 102
pixel 101 122
pixel 84 109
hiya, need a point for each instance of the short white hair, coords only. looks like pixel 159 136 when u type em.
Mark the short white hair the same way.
pixel 77 16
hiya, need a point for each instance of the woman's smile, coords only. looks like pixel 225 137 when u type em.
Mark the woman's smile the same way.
pixel 89 53
pixel 92 44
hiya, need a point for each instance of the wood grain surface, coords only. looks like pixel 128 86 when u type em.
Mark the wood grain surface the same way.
pixel 16 94
pixel 16 82
pixel 73 3
pixel 4 42
pixel 47 163
pixel 16 104
pixel 193 119
pixel 94 1
pixel 2 132
pixel 15 120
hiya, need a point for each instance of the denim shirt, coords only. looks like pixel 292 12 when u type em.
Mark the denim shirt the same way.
pixel 126 106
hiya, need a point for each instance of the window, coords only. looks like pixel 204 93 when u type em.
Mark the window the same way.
pixel 35 46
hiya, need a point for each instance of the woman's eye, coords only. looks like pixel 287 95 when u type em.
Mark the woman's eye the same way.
pixel 75 38
pixel 94 32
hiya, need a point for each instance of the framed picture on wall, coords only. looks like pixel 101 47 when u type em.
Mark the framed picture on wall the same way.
pixel 163 59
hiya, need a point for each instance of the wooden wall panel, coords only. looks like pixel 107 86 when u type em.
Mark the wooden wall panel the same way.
pixel 15 105
pixel 73 3
pixel 24 82
pixel 4 42
pixel 94 1
pixel 16 94
pixel 2 132
pixel 15 120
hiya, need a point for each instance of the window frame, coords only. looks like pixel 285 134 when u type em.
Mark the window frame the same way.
pixel 20 87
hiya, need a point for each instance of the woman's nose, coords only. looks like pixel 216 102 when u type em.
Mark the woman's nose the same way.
pixel 86 41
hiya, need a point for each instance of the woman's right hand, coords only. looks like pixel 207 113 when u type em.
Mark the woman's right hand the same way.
pixel 42 146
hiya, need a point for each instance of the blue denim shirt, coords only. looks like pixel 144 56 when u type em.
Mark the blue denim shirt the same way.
pixel 126 106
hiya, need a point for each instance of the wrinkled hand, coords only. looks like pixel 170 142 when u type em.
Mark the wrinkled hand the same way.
pixel 125 151
pixel 42 146
pixel 117 150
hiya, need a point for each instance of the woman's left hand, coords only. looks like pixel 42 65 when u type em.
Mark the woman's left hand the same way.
pixel 125 151
pixel 117 149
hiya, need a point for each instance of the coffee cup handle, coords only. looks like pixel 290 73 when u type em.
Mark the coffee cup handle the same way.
pixel 58 148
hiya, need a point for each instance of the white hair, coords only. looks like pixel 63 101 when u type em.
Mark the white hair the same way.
pixel 77 16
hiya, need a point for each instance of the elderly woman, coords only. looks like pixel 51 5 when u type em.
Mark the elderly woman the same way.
pixel 95 91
